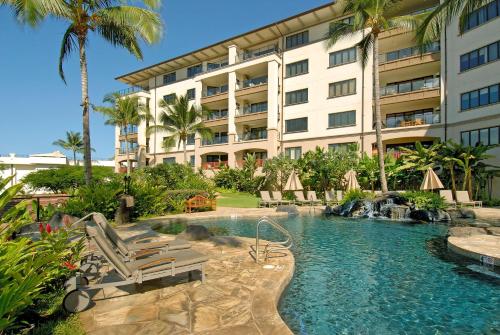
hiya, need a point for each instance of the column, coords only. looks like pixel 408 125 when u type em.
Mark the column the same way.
pixel 233 54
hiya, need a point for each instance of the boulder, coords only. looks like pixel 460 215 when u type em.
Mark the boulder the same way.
pixel 466 231
pixel 290 209
pixel 195 233
pixel 429 216
pixel 461 213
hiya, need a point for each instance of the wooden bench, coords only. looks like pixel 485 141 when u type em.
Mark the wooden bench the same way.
pixel 198 202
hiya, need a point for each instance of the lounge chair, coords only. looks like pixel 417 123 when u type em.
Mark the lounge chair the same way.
pixel 464 200
pixel 331 198
pixel 340 196
pixel 277 196
pixel 265 200
pixel 299 198
pixel 311 196
pixel 171 263
pixel 448 198
pixel 138 247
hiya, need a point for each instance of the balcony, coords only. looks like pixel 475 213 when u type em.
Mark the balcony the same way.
pixel 261 52
pixel 214 94
pixel 410 57
pixel 257 135
pixel 259 162
pixel 130 130
pixel 132 90
pixel 409 91
pixel 213 165
pixel 218 140
pixel 411 119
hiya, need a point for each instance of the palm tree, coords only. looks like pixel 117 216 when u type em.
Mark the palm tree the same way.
pixel 124 112
pixel 119 24
pixel 371 17
pixel 73 143
pixel 181 121
pixel 434 23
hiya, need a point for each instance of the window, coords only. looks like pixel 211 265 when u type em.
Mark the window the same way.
pixel 297 68
pixel 297 39
pixel 485 136
pixel 410 85
pixel 342 119
pixel 169 160
pixel 169 98
pixel 293 153
pixel 348 20
pixel 191 160
pixel 190 139
pixel 218 138
pixel 296 125
pixel 343 57
pixel 217 114
pixel 169 78
pixel 342 88
pixel 215 66
pixel 258 107
pixel 191 94
pixel 194 70
pixel 343 147
pixel 482 15
pixel 297 97
pixel 482 97
pixel 479 56
pixel 132 147
pixel 254 134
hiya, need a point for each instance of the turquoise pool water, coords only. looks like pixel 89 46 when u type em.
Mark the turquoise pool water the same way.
pixel 375 277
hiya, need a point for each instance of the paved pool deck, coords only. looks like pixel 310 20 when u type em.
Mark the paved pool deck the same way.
pixel 237 297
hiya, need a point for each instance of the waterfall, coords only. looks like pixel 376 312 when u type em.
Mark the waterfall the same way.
pixel 368 204
pixel 398 212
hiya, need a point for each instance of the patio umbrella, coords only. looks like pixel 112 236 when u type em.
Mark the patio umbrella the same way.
pixel 351 180
pixel 293 183
pixel 431 181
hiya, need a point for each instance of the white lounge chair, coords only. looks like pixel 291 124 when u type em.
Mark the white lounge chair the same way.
pixel 463 199
pixel 312 198
pixel 448 198
pixel 277 196
pixel 299 198
pixel 331 198
pixel 265 200
pixel 340 196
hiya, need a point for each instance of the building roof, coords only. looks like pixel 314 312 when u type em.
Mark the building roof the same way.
pixel 257 36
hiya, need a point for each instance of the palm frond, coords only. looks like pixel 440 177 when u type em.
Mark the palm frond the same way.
pixel 68 45
pixel 365 46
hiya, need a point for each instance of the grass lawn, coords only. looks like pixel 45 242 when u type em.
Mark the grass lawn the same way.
pixel 237 199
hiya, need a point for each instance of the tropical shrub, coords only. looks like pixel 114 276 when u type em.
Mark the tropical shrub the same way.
pixel 425 200
pixel 354 195
pixel 277 170
pixel 242 180
pixel 66 178
pixel 227 178
pixel 97 197
pixel 172 177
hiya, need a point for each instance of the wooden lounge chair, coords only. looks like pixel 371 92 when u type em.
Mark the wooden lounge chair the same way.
pixel 139 247
pixel 448 198
pixel 331 198
pixel 312 198
pixel 171 263
pixel 464 200
pixel 299 198
pixel 277 196
pixel 265 200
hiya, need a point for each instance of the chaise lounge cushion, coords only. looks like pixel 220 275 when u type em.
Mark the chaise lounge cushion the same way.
pixel 172 245
pixel 182 258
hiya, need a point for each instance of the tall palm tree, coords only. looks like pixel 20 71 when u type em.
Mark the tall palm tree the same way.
pixel 124 112
pixel 180 121
pixel 433 24
pixel 73 142
pixel 120 24
pixel 371 17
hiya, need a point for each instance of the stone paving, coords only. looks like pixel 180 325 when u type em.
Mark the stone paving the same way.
pixel 238 296
pixel 476 242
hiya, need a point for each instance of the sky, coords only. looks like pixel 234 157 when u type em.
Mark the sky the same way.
pixel 37 108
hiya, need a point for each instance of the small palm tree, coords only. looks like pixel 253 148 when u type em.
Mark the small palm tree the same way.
pixel 124 112
pixel 371 16
pixel 181 121
pixel 73 142
pixel 434 23
pixel 420 158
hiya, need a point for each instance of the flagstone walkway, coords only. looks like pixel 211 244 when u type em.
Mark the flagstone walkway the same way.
pixel 238 296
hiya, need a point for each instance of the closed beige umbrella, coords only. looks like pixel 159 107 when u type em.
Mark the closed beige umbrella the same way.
pixel 431 181
pixel 351 181
pixel 293 183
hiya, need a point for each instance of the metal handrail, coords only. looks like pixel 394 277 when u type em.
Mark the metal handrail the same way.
pixel 271 246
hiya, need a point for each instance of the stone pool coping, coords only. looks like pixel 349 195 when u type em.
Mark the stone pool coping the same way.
pixel 476 246
pixel 238 297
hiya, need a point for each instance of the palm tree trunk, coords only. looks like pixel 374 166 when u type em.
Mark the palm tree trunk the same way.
pixel 127 151
pixel 74 157
pixel 453 184
pixel 185 151
pixel 378 116
pixel 87 160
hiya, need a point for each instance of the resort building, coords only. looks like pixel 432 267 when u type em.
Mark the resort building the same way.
pixel 281 89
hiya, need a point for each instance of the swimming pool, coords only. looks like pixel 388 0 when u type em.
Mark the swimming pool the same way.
pixel 376 277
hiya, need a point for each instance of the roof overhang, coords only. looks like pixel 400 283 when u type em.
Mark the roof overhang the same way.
pixel 258 36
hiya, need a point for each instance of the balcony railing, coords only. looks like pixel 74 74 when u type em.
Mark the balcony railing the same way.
pixel 213 165
pixel 132 129
pixel 257 108
pixel 255 82
pixel 407 52
pixel 215 141
pixel 217 115
pixel 418 118
pixel 258 162
pixel 131 90
pixel 251 136
pixel 410 86
pixel 131 151
pixel 250 54
pixel 211 91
